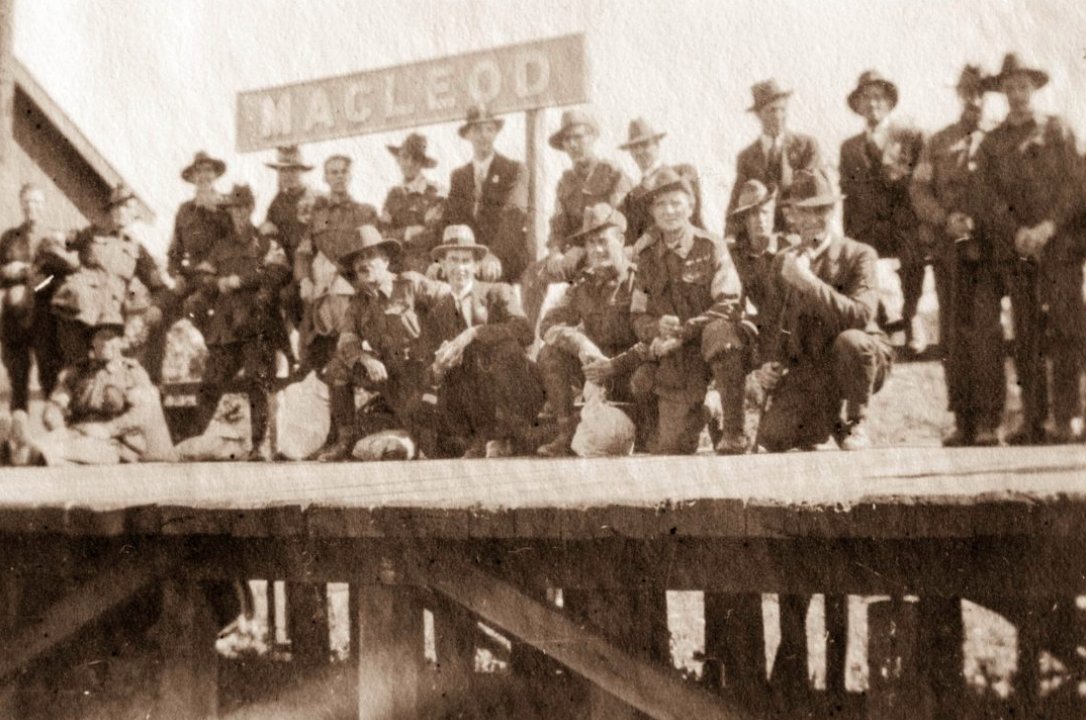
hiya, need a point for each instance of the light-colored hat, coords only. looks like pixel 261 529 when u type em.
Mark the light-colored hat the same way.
pixel 458 237
pixel 289 157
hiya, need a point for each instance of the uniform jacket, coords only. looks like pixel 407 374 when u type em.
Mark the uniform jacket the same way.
pixel 423 205
pixel 595 309
pixel 799 152
pixel 332 229
pixel 196 230
pixel 284 213
pixel 249 311
pixel 500 216
pixel 638 212
pixel 878 209
pixel 29 259
pixel 586 184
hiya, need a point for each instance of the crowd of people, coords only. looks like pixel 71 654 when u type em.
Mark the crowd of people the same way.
pixel 430 317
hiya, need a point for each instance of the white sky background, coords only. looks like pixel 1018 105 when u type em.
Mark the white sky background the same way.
pixel 152 81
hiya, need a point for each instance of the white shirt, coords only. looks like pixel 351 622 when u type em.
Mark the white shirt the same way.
pixel 768 143
pixel 481 168
pixel 463 303
pixel 879 133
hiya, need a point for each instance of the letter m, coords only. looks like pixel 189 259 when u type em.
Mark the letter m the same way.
pixel 275 116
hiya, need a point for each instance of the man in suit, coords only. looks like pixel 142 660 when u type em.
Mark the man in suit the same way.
pixel 876 172
pixel 775 156
pixel 490 195
pixel 643 144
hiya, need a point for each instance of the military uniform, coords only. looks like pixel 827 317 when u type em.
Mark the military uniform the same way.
pixel 419 203
pixel 696 282
pixel 1026 174
pixel 334 223
pixel 967 281
pixel 288 212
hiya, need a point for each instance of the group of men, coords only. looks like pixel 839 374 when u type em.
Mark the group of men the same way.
pixel 428 311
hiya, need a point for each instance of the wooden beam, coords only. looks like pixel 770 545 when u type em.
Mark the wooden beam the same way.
pixel 390 653
pixel 188 687
pixel 648 687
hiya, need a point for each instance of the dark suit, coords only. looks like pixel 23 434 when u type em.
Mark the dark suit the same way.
pixel 799 152
pixel 639 213
pixel 499 217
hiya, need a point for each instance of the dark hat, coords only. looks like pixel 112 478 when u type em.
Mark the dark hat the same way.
pixel 239 196
pixel 813 188
pixel 753 194
pixel 458 237
pixel 570 120
pixel 596 218
pixel 872 77
pixel 1014 65
pixel 414 146
pixel 200 159
pixel 119 195
pixel 640 131
pixel 477 115
pixel 287 157
pixel 367 238
pixel 766 92
pixel 667 179
pixel 973 79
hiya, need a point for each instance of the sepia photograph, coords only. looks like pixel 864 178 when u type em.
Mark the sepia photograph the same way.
pixel 511 359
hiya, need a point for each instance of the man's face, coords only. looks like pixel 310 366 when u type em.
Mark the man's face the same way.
pixel 482 136
pixel 759 220
pixel 874 104
pixel 812 223
pixel 371 268
pixel 671 211
pixel 459 267
pixel 578 142
pixel 32 202
pixel 972 105
pixel 107 344
pixel 123 214
pixel 409 166
pixel 241 215
pixel 289 178
pixel 1019 89
pixel 337 173
pixel 600 248
pixel 203 176
pixel 646 153
pixel 774 117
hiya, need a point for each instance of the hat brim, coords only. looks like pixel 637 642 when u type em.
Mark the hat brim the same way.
pixel 439 251
pixel 346 260
pixel 288 166
pixel 463 129
pixel 218 165
pixel 816 201
pixel 424 160
pixel 772 98
pixel 579 238
pixel 681 184
pixel 558 139
pixel 1039 77
pixel 740 209
pixel 655 137
pixel 117 327
pixel 854 96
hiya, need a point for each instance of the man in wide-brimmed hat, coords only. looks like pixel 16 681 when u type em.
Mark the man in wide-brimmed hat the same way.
pixel 776 155
pixel 876 171
pixel 489 194
pixel 834 353
pixel 287 210
pixel 966 278
pixel 685 306
pixel 1027 194
pixel 413 210
pixel 643 144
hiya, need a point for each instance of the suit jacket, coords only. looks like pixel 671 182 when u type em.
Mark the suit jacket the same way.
pixel 878 209
pixel 800 152
pixel 639 214
pixel 495 310
pixel 500 219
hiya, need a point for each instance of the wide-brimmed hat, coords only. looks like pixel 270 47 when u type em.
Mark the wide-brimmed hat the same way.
pixel 973 79
pixel 640 131
pixel 665 180
pixel 109 321
pixel 766 92
pixel 118 195
pixel 414 146
pixel 289 157
pixel 754 193
pixel 366 238
pixel 241 195
pixel 458 237
pixel 477 115
pixel 872 77
pixel 199 160
pixel 570 120
pixel 596 218
pixel 813 188
pixel 1014 65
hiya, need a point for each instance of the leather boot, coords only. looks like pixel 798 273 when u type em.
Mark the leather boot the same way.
pixel 987 433
pixel 730 381
pixel 964 433
pixel 560 445
pixel 342 411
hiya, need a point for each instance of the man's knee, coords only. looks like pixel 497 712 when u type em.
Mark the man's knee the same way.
pixel 722 339
pixel 678 427
pixel 856 348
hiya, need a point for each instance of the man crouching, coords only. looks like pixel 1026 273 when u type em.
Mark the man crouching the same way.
pixel 822 301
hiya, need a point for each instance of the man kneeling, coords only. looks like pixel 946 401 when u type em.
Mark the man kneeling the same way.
pixel 822 300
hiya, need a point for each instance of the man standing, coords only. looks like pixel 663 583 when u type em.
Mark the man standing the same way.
pixel 1027 190
pixel 490 195
pixel 643 144
pixel 333 228
pixel 966 278
pixel 685 306
pixel 775 156
pixel 824 293
pixel 414 208
pixel 876 171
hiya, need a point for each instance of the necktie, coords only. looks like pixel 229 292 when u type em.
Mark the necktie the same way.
pixel 773 163
pixel 480 178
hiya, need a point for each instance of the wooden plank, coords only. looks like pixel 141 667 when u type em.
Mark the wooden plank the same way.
pixel 391 653
pixel 188 678
pixel 646 686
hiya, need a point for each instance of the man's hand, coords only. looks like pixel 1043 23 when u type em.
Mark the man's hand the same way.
pixel 52 417
pixel 268 228
pixel 669 326
pixel 599 370
pixel 16 270
pixel 1030 241
pixel 759 244
pixel 451 352
pixel 958 225
pixel 226 284
pixel 375 369
pixel 769 375
pixel 796 270
pixel 662 347
pixel 411 231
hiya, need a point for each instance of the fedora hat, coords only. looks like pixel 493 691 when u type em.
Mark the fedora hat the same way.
pixel 414 146
pixel 458 237
pixel 241 195
pixel 1014 65
pixel 766 92
pixel 665 180
pixel 872 77
pixel 596 218
pixel 289 157
pixel 813 188
pixel 478 114
pixel 640 131
pixel 118 195
pixel 753 194
pixel 570 120
pixel 366 238
pixel 973 79
pixel 202 159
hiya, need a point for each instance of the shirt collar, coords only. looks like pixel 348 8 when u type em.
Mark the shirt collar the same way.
pixel 652 169
pixel 482 167
pixel 682 248
pixel 466 292
pixel 418 185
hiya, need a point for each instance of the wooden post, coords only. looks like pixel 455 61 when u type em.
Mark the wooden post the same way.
pixel 188 683
pixel 735 638
pixel 836 646
pixel 534 143
pixel 894 691
pixel 307 623
pixel 454 640
pixel 10 602
pixel 390 639
pixel 942 634
pixel 7 79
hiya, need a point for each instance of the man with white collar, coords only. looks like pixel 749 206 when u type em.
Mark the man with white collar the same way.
pixel 876 172
pixel 643 144
pixel 826 291
pixel 777 154
pixel 413 208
